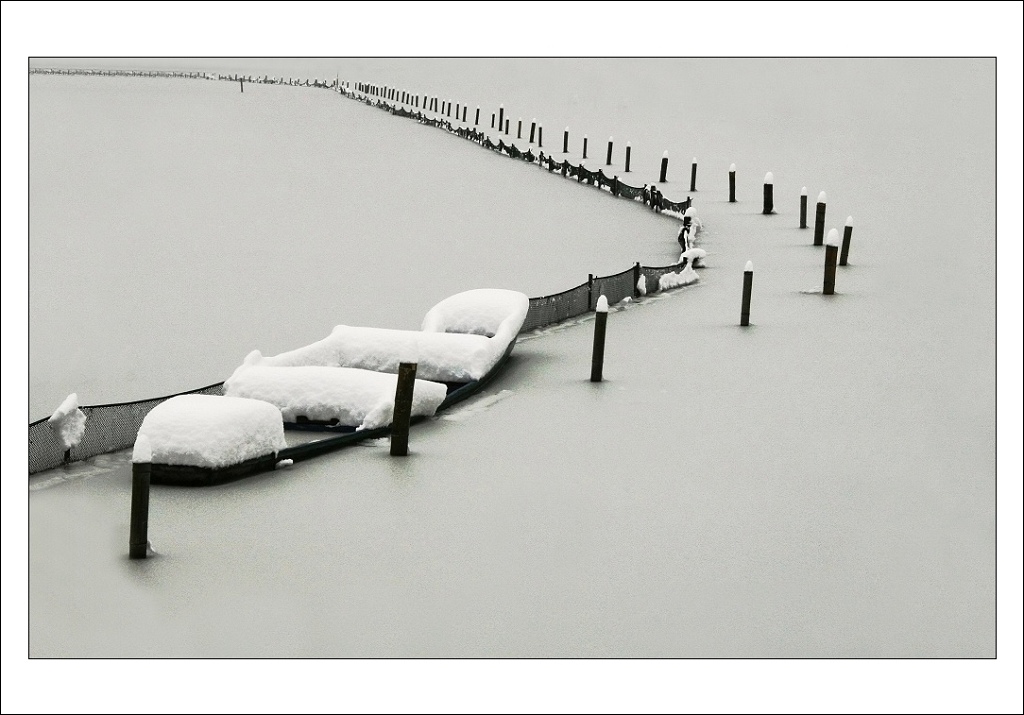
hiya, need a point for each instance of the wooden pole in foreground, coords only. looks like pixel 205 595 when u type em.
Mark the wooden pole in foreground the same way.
pixel 533 130
pixel 847 235
pixel 831 249
pixel 501 117
pixel 819 219
pixel 664 167
pixel 608 159
pixel 403 409
pixel 748 283
pixel 584 146
pixel 600 328
pixel 769 194
pixel 139 525
pixel 628 149
pixel 693 175
pixel 803 207
pixel 540 136
pixel 565 141
pixel 732 183
pixel 519 129
pixel 476 122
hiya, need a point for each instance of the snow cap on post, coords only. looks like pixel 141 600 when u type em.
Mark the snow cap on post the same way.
pixel 694 160
pixel 689 213
pixel 849 220
pixel 732 167
pixel 833 238
pixel 822 198
pixel 602 305
pixel 749 268
pixel 665 155
pixel 803 191
pixel 143 451
pixel 769 178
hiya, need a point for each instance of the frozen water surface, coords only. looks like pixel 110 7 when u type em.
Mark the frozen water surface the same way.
pixel 820 484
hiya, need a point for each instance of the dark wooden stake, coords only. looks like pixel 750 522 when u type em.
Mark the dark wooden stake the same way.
pixel 492 120
pixel 803 207
pixel 628 149
pixel 464 114
pixel 600 328
pixel 693 175
pixel 748 283
pixel 501 117
pixel 608 158
pixel 540 136
pixel 565 141
pixel 584 146
pixel 241 86
pixel 819 220
pixel 732 184
pixel 664 168
pixel 533 130
pixel 476 122
pixel 769 194
pixel 139 524
pixel 519 129
pixel 847 235
pixel 403 409
pixel 831 252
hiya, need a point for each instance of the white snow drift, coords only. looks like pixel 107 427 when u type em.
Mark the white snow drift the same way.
pixel 356 398
pixel 211 431
pixel 68 422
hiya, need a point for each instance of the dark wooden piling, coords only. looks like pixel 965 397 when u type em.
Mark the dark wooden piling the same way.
pixel 608 158
pixel 501 116
pixel 584 146
pixel 769 194
pixel 693 175
pixel 519 129
pixel 819 219
pixel 847 236
pixel 600 329
pixel 732 184
pixel 476 122
pixel 403 409
pixel 748 284
pixel 492 120
pixel 565 141
pixel 628 150
pixel 803 207
pixel 664 168
pixel 533 130
pixel 540 136
pixel 464 108
pixel 506 127
pixel 138 539
pixel 831 252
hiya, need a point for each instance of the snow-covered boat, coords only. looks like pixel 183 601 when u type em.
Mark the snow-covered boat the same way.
pixel 344 384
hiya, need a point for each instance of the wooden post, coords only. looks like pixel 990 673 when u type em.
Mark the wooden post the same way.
pixel 565 141
pixel 540 135
pixel 608 158
pixel 476 122
pixel 847 235
pixel 501 116
pixel 636 274
pixel 533 130
pixel 464 108
pixel 584 146
pixel 138 530
pixel 615 187
pixel 748 283
pixel 693 175
pixel 664 167
pixel 628 149
pixel 458 106
pixel 403 409
pixel 831 250
pixel 803 207
pixel 506 126
pixel 600 328
pixel 769 194
pixel 732 183
pixel 819 219
pixel 492 120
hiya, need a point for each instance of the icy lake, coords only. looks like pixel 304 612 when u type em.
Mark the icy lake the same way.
pixel 820 484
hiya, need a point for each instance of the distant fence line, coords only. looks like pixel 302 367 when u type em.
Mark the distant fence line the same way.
pixel 113 427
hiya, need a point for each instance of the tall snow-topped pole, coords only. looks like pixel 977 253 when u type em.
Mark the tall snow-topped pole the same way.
pixel 608 159
pixel 831 249
pixel 628 150
pixel 693 175
pixel 142 458
pixel 403 409
pixel 748 284
pixel 565 141
pixel 847 235
pixel 600 328
pixel 732 183
pixel 769 194
pixel 664 167
pixel 803 207
pixel 819 219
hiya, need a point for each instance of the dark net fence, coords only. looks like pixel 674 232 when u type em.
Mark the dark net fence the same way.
pixel 112 427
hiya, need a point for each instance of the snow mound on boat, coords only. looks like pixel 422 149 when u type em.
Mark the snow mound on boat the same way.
pixel 212 431
pixel 464 336
pixel 491 312
pixel 356 398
